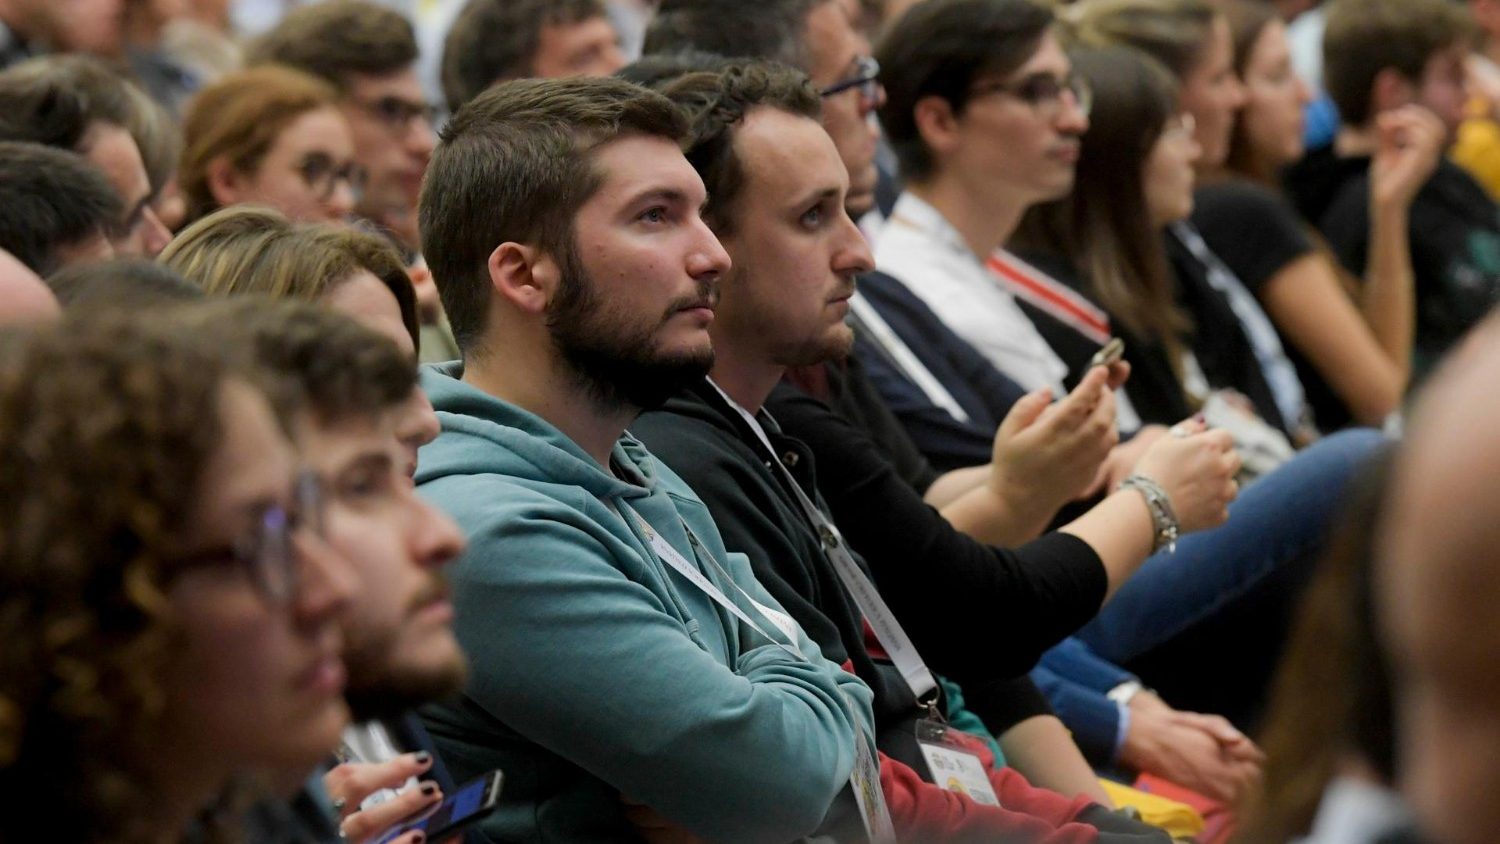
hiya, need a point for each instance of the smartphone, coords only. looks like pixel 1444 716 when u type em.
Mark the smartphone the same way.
pixel 1109 354
pixel 468 804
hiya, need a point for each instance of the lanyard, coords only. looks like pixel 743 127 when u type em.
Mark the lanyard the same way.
pixel 888 631
pixel 865 778
pixel 874 325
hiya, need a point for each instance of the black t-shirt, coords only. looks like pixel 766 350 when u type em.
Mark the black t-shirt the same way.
pixel 1455 246
pixel 1257 233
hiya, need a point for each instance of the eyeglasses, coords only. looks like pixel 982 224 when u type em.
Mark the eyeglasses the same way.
pixel 323 176
pixel 266 554
pixel 1043 92
pixel 866 78
pixel 397 113
pixel 1180 126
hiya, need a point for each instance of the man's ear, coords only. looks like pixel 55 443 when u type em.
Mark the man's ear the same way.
pixel 523 275
pixel 1390 90
pixel 936 124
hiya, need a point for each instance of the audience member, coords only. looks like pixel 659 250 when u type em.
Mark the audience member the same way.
pixel 170 607
pixel 1383 55
pixel 368 52
pixel 758 122
pixel 343 388
pixel 633 699
pixel 35 27
pixel 274 136
pixel 814 36
pixel 1353 354
pixel 24 297
pixel 1435 590
pixel 55 209
pixel 495 40
pixel 973 164
pixel 1476 148
pixel 77 103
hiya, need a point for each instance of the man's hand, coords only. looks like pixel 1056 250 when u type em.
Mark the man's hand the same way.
pixel 350 783
pixel 1047 454
pixel 654 828
pixel 1204 753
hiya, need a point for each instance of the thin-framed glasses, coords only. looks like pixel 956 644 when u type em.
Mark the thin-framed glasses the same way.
pixel 267 554
pixel 866 78
pixel 1043 92
pixel 322 175
pixel 397 113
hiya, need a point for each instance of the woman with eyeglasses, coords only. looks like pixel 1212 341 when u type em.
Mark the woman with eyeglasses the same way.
pixel 167 605
pixel 1351 342
pixel 271 136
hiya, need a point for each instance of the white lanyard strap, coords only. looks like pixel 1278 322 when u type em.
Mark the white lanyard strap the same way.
pixel 865 777
pixel 881 333
pixel 888 630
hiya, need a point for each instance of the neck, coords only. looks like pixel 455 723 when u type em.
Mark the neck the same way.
pixel 534 379
pixel 746 377
pixel 183 784
pixel 985 220
pixel 1354 141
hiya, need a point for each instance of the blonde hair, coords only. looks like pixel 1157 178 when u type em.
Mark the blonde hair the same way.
pixel 249 249
pixel 238 118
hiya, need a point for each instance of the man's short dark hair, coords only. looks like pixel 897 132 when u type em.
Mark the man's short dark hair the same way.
pixel 716 104
pixel 130 284
pixel 937 49
pixel 775 30
pixel 339 39
pixel 50 199
pixel 1365 37
pixel 516 164
pixel 43 112
pixel 307 357
pixel 495 40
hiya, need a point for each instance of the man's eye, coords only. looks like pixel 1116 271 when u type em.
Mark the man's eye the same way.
pixel 655 215
pixel 813 217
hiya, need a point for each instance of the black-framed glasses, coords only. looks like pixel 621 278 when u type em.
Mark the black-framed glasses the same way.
pixel 1043 92
pixel 866 78
pixel 266 554
pixel 319 171
pixel 397 113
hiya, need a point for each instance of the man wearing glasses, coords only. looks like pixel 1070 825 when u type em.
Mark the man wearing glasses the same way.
pixel 814 36
pixel 369 53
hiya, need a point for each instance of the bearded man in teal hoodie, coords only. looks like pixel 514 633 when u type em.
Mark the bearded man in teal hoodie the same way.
pixel 628 673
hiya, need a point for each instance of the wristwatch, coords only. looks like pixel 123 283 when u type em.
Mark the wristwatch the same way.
pixel 1163 517
pixel 1125 692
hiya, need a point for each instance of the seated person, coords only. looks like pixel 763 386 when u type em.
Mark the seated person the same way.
pixel 271 136
pixel 758 121
pixel 170 609
pixel 56 210
pixel 1353 353
pixel 1383 55
pixel 633 668
pixel 983 181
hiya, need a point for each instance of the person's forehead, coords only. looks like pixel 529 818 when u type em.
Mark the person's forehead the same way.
pixel 636 164
pixel 832 42
pixel 787 156
pixel 330 445
pixel 113 150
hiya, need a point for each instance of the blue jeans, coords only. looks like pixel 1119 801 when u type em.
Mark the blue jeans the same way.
pixel 1204 626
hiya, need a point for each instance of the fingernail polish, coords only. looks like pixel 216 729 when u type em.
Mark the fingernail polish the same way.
pixel 429 788
pixel 423 758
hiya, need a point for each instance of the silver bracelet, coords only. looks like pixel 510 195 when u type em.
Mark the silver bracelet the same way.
pixel 1163 517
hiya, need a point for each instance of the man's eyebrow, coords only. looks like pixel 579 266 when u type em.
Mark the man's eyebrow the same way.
pixel 818 195
pixel 667 195
pixel 368 460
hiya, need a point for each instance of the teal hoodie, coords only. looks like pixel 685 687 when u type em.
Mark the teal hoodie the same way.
pixel 596 670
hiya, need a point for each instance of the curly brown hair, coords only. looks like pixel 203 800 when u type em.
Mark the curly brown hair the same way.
pixel 106 424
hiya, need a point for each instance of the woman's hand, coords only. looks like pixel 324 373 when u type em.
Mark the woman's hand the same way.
pixel 1196 468
pixel 350 783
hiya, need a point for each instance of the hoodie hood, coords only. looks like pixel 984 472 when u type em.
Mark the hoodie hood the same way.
pixel 482 434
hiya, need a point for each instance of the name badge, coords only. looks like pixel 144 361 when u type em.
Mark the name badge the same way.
pixel 867 793
pixel 953 766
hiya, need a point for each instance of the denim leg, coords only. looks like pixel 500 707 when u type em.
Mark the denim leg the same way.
pixel 1280 518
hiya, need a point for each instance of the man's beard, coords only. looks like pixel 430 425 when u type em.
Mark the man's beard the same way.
pixel 380 688
pixel 613 355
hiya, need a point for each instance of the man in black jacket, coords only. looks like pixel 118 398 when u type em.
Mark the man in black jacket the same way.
pixel 759 121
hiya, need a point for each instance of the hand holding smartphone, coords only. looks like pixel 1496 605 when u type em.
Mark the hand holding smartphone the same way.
pixel 467 805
